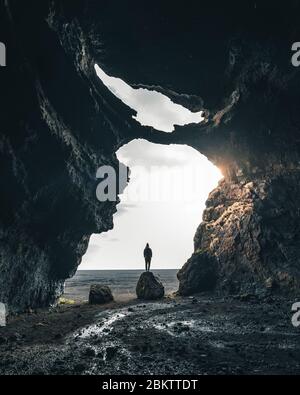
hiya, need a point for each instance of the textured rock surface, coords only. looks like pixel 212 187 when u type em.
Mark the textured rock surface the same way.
pixel 252 232
pixel 149 287
pixel 198 274
pixel 57 128
pixel 100 294
pixel 58 124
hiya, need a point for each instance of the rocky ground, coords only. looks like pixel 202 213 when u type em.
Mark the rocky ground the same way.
pixel 192 335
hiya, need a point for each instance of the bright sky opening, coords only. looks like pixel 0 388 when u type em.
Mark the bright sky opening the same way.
pixel 165 198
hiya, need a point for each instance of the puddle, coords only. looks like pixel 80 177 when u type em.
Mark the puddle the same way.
pixel 177 328
pixel 103 328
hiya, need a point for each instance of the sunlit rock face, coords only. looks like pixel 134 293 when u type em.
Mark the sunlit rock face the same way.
pixel 251 233
pixel 59 124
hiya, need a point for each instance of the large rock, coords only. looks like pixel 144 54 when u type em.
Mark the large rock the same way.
pixel 100 294
pixel 252 231
pixel 198 274
pixel 149 287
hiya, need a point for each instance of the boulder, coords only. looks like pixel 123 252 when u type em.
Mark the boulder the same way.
pixel 100 294
pixel 149 287
pixel 197 275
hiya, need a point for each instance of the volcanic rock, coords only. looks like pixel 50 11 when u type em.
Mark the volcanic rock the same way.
pixel 149 287
pixel 198 274
pixel 251 231
pixel 100 294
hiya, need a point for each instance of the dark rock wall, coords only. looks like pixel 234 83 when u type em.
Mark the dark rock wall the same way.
pixel 57 127
pixel 58 124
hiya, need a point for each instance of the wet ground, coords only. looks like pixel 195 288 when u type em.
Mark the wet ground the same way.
pixel 199 335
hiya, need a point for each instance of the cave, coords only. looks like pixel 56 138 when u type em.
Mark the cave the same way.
pixel 59 123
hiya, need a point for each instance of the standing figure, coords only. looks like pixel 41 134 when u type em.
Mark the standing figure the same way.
pixel 148 257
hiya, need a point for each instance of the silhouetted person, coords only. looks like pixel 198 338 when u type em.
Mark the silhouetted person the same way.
pixel 148 257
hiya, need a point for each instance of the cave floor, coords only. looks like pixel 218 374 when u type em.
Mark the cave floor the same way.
pixel 197 335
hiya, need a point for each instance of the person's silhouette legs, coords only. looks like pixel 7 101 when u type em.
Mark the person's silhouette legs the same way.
pixel 148 265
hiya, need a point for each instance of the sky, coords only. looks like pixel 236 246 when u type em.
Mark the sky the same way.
pixel 165 198
pixel 153 108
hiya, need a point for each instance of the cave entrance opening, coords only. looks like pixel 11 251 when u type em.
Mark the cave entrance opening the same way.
pixel 161 205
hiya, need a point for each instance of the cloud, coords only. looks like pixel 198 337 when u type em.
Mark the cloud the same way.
pixel 124 207
pixel 94 248
pixel 143 153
